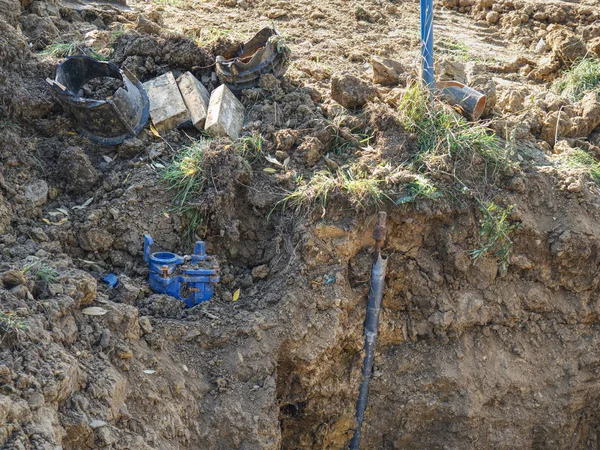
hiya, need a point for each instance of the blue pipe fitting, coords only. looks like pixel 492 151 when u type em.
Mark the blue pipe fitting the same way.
pixel 188 278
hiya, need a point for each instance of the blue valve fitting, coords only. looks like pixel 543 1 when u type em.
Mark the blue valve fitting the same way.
pixel 188 278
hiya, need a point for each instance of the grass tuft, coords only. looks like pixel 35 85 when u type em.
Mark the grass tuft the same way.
pixel 420 187
pixel 441 131
pixel 42 271
pixel 361 188
pixel 61 50
pixel 250 147
pixel 583 77
pixel 494 234
pixel 11 323
pixel 185 176
pixel 580 160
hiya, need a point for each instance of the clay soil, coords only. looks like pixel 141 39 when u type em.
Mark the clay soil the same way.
pixel 489 335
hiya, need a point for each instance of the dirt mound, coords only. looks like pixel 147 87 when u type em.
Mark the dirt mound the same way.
pixel 488 332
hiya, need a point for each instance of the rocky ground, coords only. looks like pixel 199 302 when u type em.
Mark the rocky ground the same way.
pixel 489 330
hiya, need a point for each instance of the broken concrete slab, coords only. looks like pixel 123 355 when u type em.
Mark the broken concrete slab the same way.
pixel 225 114
pixel 167 108
pixel 195 97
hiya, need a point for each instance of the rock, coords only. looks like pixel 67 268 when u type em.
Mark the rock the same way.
pixel 590 107
pixel 594 46
pixel 80 285
pixel 97 39
pixel 75 168
pixel 512 99
pixel 260 272
pixel 351 92
pixel 225 114
pixel 575 186
pixel 448 69
pixel 167 108
pixel 548 133
pixel 195 97
pixel 104 339
pixel 386 71
pixel 146 26
pixel 541 47
pixel 95 240
pixel 145 325
pixel 566 46
pixel 269 82
pixel 492 17
pixel 285 140
pixel 5 216
pixel 311 150
pixel 37 192
pixel 131 148
pixel 13 277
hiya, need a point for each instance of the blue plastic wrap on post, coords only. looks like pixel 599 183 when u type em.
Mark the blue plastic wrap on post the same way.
pixel 427 42
pixel 188 278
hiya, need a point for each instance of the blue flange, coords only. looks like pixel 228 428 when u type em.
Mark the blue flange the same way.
pixel 187 278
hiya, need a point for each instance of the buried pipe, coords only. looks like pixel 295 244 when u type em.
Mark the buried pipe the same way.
pixel 371 324
pixel 468 101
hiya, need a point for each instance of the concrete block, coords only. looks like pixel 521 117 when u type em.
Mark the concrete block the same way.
pixel 167 108
pixel 196 98
pixel 225 114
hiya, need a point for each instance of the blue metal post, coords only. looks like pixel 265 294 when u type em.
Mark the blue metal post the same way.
pixel 427 42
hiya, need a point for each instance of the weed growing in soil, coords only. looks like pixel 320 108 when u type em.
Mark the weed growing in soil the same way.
pixel 360 188
pixel 11 323
pixel 440 131
pixel 453 48
pixel 494 234
pixel 580 160
pixel 61 50
pixel 185 175
pixel 583 77
pixel 42 271
pixel 421 187
pixel 250 147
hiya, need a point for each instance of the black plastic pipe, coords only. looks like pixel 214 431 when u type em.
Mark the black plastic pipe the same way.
pixel 371 326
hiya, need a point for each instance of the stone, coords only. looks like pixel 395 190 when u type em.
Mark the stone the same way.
pixel 350 91
pixel 447 69
pixel 167 108
pixel 260 272
pixel 95 240
pixel 541 47
pixel 143 25
pixel 77 170
pixel 37 192
pixel 594 46
pixel 512 99
pixel 131 148
pixel 590 116
pixel 196 98
pixel 104 339
pixel 565 45
pixel 386 71
pixel 225 114
pixel 145 324
pixel 80 285
pixel 549 132
pixel 13 277
pixel 311 150
pixel 492 17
